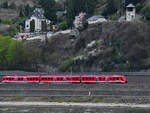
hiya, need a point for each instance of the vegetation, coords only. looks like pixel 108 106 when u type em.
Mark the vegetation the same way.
pixel 49 7
pixel 74 7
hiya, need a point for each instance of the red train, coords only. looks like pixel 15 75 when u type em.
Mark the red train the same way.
pixel 65 79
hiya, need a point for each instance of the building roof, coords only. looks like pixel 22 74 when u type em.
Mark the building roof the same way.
pixel 61 12
pixel 130 5
pixel 94 18
pixel 39 13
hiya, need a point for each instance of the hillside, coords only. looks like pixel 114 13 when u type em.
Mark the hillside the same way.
pixel 109 47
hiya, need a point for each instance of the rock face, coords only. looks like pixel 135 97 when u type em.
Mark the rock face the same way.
pixel 111 46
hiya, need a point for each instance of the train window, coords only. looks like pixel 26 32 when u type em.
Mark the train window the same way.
pixel 36 78
pixel 117 78
pixel 92 78
pixel 121 78
pixel 68 78
pixel 77 78
pixel 49 78
pixel 20 79
pixel 30 78
pixel 58 78
pixel 100 78
pixel 87 78
pixel 114 78
pixel 9 78
pixel 61 79
pixel 43 79
pixel 110 78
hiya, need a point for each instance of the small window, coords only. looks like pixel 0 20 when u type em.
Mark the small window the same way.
pixel 100 78
pixel 43 78
pixel 87 78
pixel 114 78
pixel 73 78
pixel 92 78
pixel 121 78
pixel 117 78
pixel 58 79
pixel 68 78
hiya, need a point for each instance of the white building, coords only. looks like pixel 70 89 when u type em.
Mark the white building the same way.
pixel 130 12
pixel 37 17
pixel 96 19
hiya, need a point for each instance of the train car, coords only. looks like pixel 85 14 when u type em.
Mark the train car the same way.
pixel 103 79
pixel 73 79
pixel 65 79
pixel 47 79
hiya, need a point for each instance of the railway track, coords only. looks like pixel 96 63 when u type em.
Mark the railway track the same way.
pixel 61 92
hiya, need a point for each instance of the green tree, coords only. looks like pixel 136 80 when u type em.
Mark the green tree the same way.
pixel 32 26
pixel 27 10
pixel 7 52
pixel 12 6
pixel 5 5
pixel 110 8
pixel 74 7
pixel 49 7
pixel 21 13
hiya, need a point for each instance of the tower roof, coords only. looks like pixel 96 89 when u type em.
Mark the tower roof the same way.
pixel 130 5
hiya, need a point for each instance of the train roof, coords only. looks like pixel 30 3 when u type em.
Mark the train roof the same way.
pixel 22 73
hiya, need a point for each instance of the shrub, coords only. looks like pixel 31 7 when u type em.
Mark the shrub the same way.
pixel 66 64
pixel 145 11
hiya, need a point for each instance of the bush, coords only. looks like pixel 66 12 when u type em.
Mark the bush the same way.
pixel 145 11
pixel 63 25
pixel 7 21
pixel 66 64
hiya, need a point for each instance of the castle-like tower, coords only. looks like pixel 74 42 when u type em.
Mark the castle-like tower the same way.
pixel 130 12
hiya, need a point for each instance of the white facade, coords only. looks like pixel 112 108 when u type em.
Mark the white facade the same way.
pixel 130 12
pixel 37 17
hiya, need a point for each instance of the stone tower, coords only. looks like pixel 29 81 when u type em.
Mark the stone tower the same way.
pixel 130 12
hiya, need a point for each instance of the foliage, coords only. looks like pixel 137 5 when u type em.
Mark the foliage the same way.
pixel 7 52
pixel 49 7
pixel 27 10
pixel 12 6
pixel 5 5
pixel 66 64
pixel 63 25
pixel 145 11
pixel 74 7
pixel 6 21
pixel 110 8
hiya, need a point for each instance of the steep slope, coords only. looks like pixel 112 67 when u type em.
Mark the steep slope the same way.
pixel 101 47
